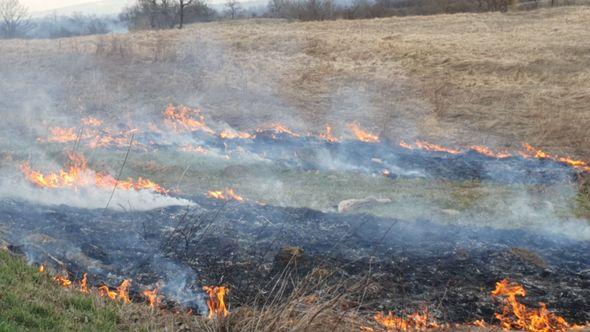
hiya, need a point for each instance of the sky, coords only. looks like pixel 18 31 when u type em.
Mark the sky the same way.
pixel 49 5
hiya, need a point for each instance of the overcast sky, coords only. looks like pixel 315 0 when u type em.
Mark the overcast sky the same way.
pixel 45 5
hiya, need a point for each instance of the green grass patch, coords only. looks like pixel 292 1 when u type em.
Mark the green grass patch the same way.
pixel 32 301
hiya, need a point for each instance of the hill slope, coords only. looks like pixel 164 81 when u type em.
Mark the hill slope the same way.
pixel 492 78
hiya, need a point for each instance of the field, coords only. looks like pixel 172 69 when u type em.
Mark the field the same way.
pixel 494 79
pixel 444 229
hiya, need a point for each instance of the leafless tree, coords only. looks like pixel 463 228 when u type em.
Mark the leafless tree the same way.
pixel 276 7
pixel 182 4
pixel 14 19
pixel 232 8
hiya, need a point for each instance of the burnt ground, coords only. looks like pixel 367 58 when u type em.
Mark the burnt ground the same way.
pixel 404 265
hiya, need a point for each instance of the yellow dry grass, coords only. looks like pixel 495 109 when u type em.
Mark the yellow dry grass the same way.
pixel 489 78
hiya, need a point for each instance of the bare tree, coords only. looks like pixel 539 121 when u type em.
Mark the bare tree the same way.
pixel 276 7
pixel 14 19
pixel 182 6
pixel 165 14
pixel 232 8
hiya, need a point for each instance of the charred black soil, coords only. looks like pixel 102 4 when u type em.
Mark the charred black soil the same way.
pixel 401 265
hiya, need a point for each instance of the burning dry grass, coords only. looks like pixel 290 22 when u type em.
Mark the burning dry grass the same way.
pixel 33 300
pixel 466 79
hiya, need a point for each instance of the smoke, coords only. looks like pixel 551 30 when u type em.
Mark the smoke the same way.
pixel 178 282
pixel 128 80
pixel 89 197
pixel 547 211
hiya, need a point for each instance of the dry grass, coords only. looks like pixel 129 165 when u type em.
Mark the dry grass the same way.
pixel 497 79
pixel 33 301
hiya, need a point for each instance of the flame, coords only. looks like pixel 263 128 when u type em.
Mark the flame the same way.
pixel 92 136
pixel 427 146
pixel 84 284
pixel 488 152
pixel 516 315
pixel 361 134
pixel 137 185
pixel 423 145
pixel 91 122
pixel 42 268
pixel 540 154
pixel 63 280
pixel 62 135
pixel 152 296
pixel 216 303
pixel 233 134
pixel 415 321
pixel 123 290
pixel 435 147
pixel 226 195
pixel 530 152
pixel 183 118
pixel 79 175
pixel 329 135
pixel 405 145
pixel 107 140
pixel 279 128
pixel 105 291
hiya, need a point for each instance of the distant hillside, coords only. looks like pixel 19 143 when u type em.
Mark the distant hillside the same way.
pixel 114 7
pixel 101 7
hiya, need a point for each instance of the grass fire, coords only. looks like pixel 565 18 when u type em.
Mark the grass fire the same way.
pixel 306 166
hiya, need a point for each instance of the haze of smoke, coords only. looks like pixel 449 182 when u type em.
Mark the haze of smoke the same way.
pixel 90 197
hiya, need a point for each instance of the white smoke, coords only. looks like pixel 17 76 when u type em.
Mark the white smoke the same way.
pixel 90 197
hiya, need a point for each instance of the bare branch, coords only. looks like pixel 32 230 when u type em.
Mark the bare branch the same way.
pixel 14 19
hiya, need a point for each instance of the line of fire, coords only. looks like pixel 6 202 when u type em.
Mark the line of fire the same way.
pixel 212 252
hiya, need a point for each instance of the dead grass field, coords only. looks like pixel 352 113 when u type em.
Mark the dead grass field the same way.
pixel 497 79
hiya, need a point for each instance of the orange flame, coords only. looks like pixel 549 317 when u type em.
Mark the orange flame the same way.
pixel 423 145
pixel 91 135
pixel 540 154
pixel 79 175
pixel 227 195
pixel 183 118
pixel 530 152
pixel 415 321
pixel 488 152
pixel 516 315
pixel 63 280
pixel 123 290
pixel 278 128
pixel 91 122
pixel 152 297
pixel 233 134
pixel 405 145
pixel 62 135
pixel 435 147
pixel 42 268
pixel 216 303
pixel 137 185
pixel 361 134
pixel 479 323
pixel 107 140
pixel 329 135
pixel 84 284
pixel 105 291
